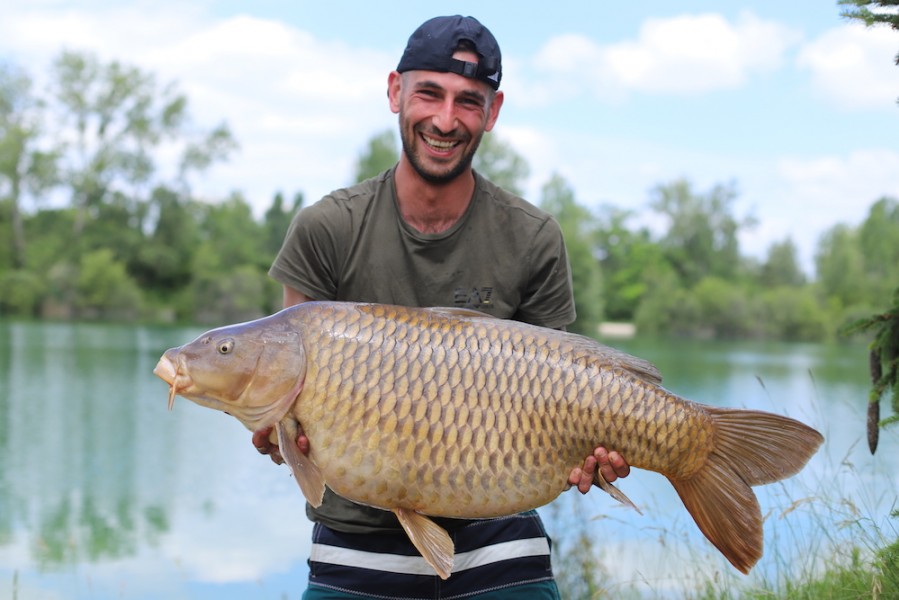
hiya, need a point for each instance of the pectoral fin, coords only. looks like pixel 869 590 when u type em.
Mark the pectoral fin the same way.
pixel 307 474
pixel 613 491
pixel 431 540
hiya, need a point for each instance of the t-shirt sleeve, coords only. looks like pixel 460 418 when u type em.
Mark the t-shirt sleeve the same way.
pixel 548 298
pixel 311 256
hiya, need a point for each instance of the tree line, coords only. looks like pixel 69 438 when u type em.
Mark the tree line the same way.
pixel 126 239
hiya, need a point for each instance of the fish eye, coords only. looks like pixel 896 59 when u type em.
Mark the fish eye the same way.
pixel 226 346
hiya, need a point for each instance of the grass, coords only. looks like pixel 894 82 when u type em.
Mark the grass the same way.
pixel 860 578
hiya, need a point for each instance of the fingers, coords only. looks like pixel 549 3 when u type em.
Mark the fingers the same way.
pixel 260 440
pixel 264 445
pixel 303 443
pixel 302 440
pixel 611 464
pixel 582 477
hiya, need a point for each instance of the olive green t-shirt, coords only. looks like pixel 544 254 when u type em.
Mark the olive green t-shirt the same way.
pixel 504 257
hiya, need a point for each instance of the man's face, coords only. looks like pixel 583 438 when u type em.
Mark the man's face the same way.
pixel 443 117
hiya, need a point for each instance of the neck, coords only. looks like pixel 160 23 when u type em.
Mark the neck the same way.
pixel 429 207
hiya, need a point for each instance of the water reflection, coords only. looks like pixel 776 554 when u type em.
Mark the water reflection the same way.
pixel 104 493
pixel 102 490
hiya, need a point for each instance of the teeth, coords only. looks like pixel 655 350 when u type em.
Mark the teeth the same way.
pixel 438 144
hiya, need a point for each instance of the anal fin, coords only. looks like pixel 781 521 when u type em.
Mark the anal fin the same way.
pixel 308 475
pixel 614 492
pixel 431 540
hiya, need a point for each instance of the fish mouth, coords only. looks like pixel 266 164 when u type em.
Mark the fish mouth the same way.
pixel 165 369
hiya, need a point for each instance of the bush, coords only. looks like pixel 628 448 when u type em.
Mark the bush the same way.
pixel 725 309
pixel 794 314
pixel 241 295
pixel 103 288
pixel 20 293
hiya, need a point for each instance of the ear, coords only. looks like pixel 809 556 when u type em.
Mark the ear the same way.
pixel 495 105
pixel 394 90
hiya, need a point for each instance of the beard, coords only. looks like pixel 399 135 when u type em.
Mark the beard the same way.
pixel 434 175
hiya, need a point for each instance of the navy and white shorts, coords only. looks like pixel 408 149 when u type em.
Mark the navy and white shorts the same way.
pixel 492 555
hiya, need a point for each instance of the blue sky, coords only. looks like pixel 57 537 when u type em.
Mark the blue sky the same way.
pixel 791 103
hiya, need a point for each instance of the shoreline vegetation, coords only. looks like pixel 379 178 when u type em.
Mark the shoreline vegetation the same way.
pixel 92 227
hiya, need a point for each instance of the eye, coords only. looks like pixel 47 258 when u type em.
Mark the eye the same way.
pixel 225 346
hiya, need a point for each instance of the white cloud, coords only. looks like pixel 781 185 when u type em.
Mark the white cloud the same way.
pixel 795 196
pixel 699 53
pixel 837 185
pixel 802 197
pixel 853 65
pixel 299 106
pixel 680 55
pixel 36 34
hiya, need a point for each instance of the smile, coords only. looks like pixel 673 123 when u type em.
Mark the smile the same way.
pixel 440 145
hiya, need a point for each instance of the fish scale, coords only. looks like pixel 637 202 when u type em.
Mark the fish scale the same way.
pixel 450 413
pixel 512 372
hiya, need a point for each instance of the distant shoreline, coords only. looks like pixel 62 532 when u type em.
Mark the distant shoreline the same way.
pixel 622 331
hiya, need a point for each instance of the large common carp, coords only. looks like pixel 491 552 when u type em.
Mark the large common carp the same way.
pixel 451 413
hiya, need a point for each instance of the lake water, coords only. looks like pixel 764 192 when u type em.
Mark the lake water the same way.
pixel 106 494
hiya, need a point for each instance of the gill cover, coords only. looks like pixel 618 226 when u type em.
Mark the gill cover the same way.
pixel 253 371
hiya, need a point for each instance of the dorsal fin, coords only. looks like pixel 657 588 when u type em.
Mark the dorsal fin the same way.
pixel 590 351
pixel 455 311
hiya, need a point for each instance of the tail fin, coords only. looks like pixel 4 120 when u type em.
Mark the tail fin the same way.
pixel 751 448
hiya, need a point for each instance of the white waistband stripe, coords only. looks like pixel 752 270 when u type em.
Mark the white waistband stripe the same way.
pixel 416 565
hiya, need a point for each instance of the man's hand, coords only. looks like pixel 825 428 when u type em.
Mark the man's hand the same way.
pixel 610 464
pixel 264 445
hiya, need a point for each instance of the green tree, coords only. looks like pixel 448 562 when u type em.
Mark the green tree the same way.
pixel 794 314
pixel 701 239
pixel 204 149
pixel 781 267
pixel 630 262
pixel 725 308
pixel 380 155
pixel 20 293
pixel 878 239
pixel 500 163
pixel 577 227
pixel 668 309
pixel 104 288
pixel 25 168
pixel 114 117
pixel 163 261
pixel 232 232
pixel 277 220
pixel 840 267
pixel 227 297
pixel 228 267
pixel 884 13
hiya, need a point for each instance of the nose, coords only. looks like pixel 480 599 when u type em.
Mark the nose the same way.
pixel 444 120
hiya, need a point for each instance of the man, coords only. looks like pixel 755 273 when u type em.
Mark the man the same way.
pixel 432 232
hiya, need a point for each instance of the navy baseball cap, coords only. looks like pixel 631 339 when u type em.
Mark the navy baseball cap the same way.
pixel 431 48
